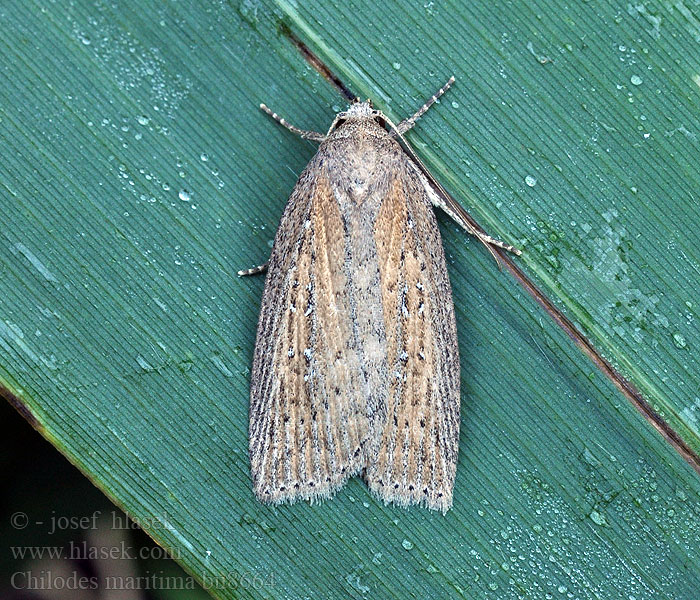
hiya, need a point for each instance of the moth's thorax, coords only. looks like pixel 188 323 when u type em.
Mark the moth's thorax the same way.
pixel 357 155
pixel 359 127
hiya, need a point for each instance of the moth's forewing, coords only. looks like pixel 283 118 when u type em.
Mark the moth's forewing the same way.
pixel 417 457
pixel 308 418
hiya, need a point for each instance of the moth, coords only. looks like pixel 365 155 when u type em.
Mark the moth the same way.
pixel 356 366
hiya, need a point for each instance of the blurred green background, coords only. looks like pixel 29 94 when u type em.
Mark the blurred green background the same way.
pixel 67 520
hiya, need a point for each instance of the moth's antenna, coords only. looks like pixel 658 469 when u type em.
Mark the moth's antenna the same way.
pixel 406 124
pixel 307 135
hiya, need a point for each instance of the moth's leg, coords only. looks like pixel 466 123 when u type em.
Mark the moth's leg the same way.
pixel 255 270
pixel 487 239
pixel 307 135
pixel 458 215
pixel 406 124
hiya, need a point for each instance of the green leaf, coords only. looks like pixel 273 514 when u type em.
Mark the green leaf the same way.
pixel 138 176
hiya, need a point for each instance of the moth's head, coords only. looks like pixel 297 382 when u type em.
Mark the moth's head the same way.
pixel 357 111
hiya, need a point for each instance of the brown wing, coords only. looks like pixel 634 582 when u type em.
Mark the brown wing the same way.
pixel 417 456
pixel 308 405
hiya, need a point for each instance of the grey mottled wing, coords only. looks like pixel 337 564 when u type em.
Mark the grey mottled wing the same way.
pixel 308 408
pixel 356 367
pixel 417 455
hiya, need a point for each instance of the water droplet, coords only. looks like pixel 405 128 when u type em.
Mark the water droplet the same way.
pixel 144 364
pixel 553 260
pixel 184 195
pixel 590 458
pixel 248 9
pixel 455 105
pixel 266 527
pixel 679 340
pixel 598 518
pixel 204 157
pixel 636 80
pixel 354 580
pixel 530 180
pixel 396 65
pixel 143 120
pixel 219 364
pixel 408 545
